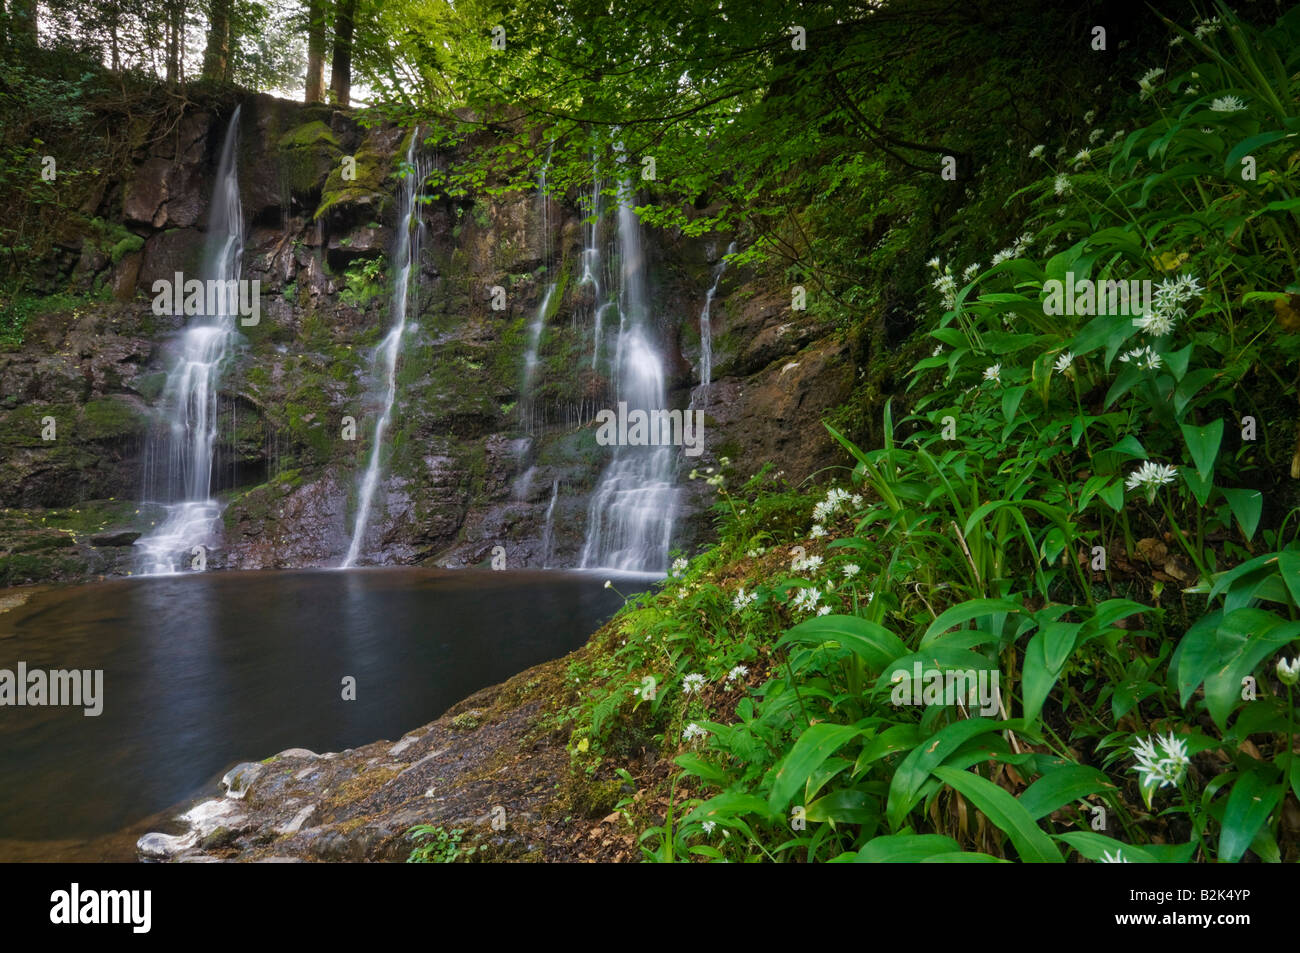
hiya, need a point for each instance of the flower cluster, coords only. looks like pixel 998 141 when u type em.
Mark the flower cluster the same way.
pixel 1227 104
pixel 693 683
pixel 1143 358
pixel 1015 250
pixel 1149 77
pixel 737 673
pixel 1163 768
pixel 692 732
pixel 835 498
pixel 805 563
pixel 679 566
pixel 1167 305
pixel 743 600
pixel 945 284
pixel 807 599
pixel 1151 477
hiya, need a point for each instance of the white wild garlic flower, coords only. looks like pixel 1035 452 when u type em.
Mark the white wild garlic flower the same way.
pixel 1227 104
pixel 1163 768
pixel 692 732
pixel 1288 672
pixel 1150 477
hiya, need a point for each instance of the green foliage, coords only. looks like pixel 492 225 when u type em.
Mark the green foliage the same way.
pixel 365 282
pixel 441 846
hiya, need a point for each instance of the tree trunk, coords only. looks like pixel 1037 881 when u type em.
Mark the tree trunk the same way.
pixel 315 92
pixel 341 66
pixel 216 55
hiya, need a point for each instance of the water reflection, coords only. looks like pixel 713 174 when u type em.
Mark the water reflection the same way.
pixel 206 670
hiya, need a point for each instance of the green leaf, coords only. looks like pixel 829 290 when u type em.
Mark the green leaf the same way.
pixel 1203 442
pixel 1197 654
pixel 1247 506
pixel 965 611
pixel 1062 786
pixel 814 746
pixel 905 848
pixel 870 641
pixel 1288 565
pixel 845 806
pixel 1232 164
pixel 1093 845
pixel 1249 806
pixel 921 761
pixel 1244 639
pixel 1011 398
pixel 1006 812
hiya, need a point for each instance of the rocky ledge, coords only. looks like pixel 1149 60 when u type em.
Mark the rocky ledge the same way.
pixel 494 768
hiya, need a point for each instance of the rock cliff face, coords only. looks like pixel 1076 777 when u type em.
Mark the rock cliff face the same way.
pixel 472 461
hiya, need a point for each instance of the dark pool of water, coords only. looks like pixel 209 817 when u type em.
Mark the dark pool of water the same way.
pixel 206 670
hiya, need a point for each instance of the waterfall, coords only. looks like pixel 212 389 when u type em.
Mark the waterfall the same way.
pixel 591 261
pixel 630 517
pixel 189 400
pixel 706 328
pixel 405 253
pixel 530 357
pixel 548 534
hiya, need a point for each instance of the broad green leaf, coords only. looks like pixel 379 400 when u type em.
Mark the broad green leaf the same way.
pixel 1062 786
pixel 905 848
pixel 1203 442
pixel 965 611
pixel 870 641
pixel 1095 846
pixel 845 806
pixel 1244 639
pixel 921 761
pixel 1247 506
pixel 815 745
pixel 1249 805
pixel 1288 566
pixel 1031 843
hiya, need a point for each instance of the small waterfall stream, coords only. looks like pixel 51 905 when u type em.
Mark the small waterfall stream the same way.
pixel 631 514
pixel 406 252
pixel 181 474
pixel 706 328
pixel 548 534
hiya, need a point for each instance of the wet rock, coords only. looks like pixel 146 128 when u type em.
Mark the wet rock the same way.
pixel 124 538
pixel 240 778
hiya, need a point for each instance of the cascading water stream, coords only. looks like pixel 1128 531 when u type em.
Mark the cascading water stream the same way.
pixel 530 356
pixel 706 328
pixel 406 253
pixel 631 514
pixel 190 394
pixel 591 263
pixel 548 534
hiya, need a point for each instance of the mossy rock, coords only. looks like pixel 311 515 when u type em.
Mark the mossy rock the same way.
pixel 110 419
pixel 307 154
pixel 367 190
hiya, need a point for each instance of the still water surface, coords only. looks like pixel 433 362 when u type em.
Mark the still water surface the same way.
pixel 204 671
